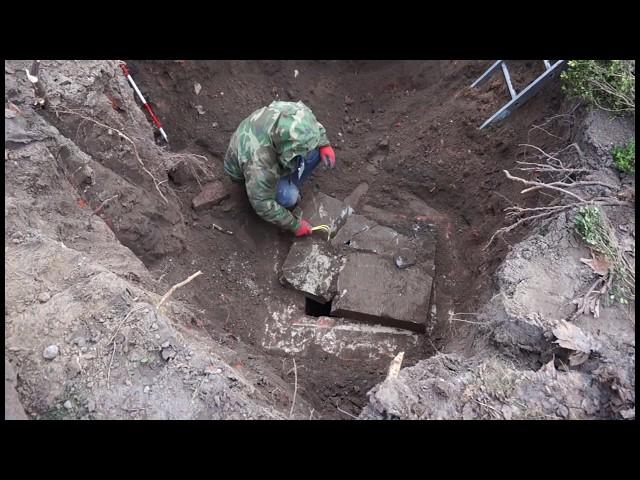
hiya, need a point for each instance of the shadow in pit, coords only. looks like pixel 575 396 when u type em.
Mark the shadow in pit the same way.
pixel 317 309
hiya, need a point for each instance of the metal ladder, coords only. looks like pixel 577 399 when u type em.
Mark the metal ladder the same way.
pixel 517 98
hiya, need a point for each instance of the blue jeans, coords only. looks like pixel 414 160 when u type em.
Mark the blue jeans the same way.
pixel 288 189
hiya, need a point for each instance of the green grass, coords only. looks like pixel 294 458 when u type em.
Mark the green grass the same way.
pixel 624 158
pixel 592 226
pixel 606 84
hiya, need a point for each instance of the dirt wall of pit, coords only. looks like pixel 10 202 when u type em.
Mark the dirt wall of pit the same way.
pixel 83 334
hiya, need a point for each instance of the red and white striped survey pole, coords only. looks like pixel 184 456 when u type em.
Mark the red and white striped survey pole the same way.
pixel 125 70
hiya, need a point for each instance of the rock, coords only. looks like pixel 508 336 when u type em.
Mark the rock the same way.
pixel 167 354
pixel 212 194
pixel 146 389
pixel 51 352
pixel 197 87
pixel 68 405
pixel 200 109
pixel 44 297
pixel 405 259
pixel 13 409
pixel 348 100
pixel 73 368
pixel 563 411
pixel 91 405
pixel 79 341
pixel 84 176
pixel 166 344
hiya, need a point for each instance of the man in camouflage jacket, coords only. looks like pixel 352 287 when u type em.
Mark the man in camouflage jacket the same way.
pixel 272 151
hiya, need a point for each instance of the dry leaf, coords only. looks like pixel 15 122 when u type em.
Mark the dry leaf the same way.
pixel 573 338
pixel 599 265
pixel 628 244
pixel 578 358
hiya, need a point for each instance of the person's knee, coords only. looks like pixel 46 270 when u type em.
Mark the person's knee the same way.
pixel 287 196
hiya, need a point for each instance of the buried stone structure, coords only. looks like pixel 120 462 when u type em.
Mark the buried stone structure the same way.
pixel 365 271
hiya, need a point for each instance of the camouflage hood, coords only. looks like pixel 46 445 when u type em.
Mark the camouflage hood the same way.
pixel 296 132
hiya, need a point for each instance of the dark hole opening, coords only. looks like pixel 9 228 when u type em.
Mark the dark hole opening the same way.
pixel 317 309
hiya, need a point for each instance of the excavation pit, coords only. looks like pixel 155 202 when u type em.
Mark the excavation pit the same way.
pixel 405 132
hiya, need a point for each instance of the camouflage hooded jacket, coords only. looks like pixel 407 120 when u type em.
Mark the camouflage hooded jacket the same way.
pixel 263 149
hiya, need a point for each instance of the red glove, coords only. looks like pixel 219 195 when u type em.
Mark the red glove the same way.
pixel 304 229
pixel 328 156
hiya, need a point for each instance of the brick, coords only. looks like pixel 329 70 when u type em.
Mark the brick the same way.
pixel 211 194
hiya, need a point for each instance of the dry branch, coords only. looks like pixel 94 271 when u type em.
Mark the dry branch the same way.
pixel 101 206
pixel 121 134
pixel 175 287
pixel 295 387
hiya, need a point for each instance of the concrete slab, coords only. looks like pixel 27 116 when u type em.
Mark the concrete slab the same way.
pixel 354 225
pixel 380 240
pixel 311 269
pixel 371 272
pixel 321 209
pixel 291 332
pixel 371 288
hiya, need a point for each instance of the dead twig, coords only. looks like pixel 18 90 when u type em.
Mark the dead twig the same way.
pixel 295 387
pixel 110 363
pixel 536 213
pixel 194 163
pixel 542 185
pixel 131 312
pixel 175 287
pixel 546 168
pixel 452 317
pixel 101 206
pixel 498 412
pixel 346 413
pixel 571 185
pixel 195 393
pixel 219 228
pixel 121 134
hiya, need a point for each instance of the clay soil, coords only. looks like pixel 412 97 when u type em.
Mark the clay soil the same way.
pixel 399 126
